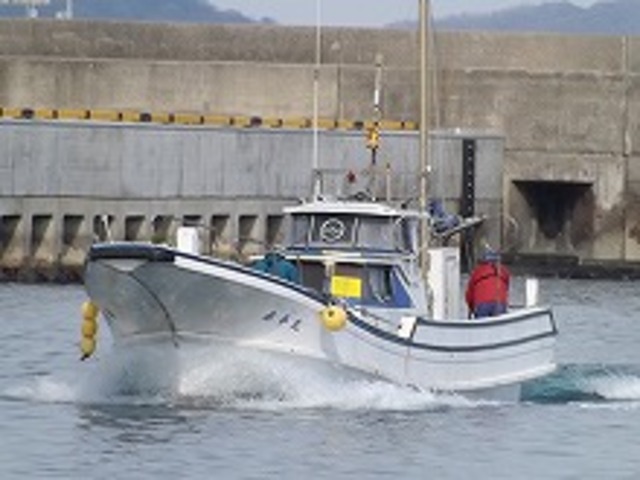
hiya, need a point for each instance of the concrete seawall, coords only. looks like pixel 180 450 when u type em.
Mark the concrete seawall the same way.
pixel 567 107
pixel 64 185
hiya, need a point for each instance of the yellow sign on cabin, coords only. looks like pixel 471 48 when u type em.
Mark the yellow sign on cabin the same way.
pixel 346 287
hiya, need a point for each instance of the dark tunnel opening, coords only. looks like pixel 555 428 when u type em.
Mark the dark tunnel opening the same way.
pixel 558 204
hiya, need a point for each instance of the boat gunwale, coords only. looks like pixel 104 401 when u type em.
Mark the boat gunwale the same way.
pixel 168 255
pixel 387 336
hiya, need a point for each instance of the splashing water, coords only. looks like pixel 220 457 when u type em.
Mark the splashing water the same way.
pixel 203 378
pixel 260 380
pixel 615 385
pixel 586 383
pixel 199 377
pixel 43 389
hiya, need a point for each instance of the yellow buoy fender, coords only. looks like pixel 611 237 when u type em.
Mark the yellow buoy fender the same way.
pixel 333 318
pixel 89 328
pixel 89 310
pixel 87 346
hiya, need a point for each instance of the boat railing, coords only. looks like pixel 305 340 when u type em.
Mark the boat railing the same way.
pixel 373 182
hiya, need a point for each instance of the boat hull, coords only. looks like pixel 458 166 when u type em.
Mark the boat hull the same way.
pixel 150 293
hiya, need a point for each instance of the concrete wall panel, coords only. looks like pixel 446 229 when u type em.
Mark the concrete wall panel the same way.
pixel 194 43
pixel 632 50
pixel 153 161
pixel 556 113
pixel 529 52
pixel 631 135
pixel 223 88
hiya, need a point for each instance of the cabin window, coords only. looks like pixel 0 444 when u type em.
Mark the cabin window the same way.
pixel 369 285
pixel 407 235
pixel 312 275
pixel 365 232
pixel 300 230
pixel 366 285
pixel 376 233
pixel 379 285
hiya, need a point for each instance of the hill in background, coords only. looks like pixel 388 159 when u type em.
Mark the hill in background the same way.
pixel 612 17
pixel 199 11
pixel 607 17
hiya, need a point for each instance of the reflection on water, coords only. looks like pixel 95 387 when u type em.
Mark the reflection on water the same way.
pixel 137 423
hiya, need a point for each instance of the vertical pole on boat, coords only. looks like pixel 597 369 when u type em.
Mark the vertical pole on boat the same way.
pixel 373 134
pixel 317 181
pixel 377 106
pixel 424 135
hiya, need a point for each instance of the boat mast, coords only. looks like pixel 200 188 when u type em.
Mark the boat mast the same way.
pixel 424 133
pixel 373 134
pixel 317 180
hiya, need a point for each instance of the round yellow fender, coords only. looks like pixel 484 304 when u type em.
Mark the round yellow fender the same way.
pixel 333 318
pixel 87 346
pixel 89 310
pixel 89 327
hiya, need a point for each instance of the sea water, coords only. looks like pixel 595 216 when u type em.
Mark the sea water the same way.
pixel 137 415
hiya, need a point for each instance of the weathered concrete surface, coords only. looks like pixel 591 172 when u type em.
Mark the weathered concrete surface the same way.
pixel 59 181
pixel 130 161
pixel 194 43
pixel 568 106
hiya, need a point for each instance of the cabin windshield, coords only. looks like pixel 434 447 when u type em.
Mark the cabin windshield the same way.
pixel 358 284
pixel 365 232
pixel 377 233
pixel 300 230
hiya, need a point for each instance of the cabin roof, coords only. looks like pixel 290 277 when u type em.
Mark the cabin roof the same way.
pixel 336 207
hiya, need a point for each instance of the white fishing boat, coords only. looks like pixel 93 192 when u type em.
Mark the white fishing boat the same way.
pixel 360 303
pixel 361 300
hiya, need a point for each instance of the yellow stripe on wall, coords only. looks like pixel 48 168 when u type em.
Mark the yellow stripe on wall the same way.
pixel 184 118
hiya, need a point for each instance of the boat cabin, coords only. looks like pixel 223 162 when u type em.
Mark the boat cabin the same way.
pixel 354 250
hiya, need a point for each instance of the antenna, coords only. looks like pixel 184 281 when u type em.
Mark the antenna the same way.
pixel 377 107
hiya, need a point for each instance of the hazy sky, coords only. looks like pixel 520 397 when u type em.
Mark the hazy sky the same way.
pixel 365 12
